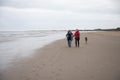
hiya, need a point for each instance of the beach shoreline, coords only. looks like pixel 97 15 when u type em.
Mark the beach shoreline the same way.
pixel 96 60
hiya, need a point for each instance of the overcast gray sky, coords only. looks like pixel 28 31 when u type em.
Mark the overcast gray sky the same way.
pixel 59 14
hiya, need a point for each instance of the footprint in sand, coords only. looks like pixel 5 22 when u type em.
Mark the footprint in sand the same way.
pixel 57 73
pixel 60 69
pixel 42 66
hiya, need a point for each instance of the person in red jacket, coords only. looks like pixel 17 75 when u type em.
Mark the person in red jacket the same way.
pixel 77 38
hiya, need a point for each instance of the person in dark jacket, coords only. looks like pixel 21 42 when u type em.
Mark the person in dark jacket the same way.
pixel 77 38
pixel 69 36
pixel 86 39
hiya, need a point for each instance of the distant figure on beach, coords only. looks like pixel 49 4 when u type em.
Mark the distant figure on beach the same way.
pixel 86 39
pixel 69 36
pixel 77 38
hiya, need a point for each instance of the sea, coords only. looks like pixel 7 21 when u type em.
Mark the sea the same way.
pixel 18 44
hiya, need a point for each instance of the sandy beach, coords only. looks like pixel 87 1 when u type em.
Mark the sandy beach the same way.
pixel 96 60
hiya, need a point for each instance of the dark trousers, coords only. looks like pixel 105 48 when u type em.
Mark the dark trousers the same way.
pixel 77 42
pixel 69 43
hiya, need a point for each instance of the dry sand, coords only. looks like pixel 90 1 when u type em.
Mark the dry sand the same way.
pixel 97 60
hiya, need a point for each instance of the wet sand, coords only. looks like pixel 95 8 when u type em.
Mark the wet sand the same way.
pixel 99 59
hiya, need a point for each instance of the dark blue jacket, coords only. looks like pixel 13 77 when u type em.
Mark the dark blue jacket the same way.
pixel 69 36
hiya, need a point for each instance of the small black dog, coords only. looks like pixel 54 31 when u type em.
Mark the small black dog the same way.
pixel 86 39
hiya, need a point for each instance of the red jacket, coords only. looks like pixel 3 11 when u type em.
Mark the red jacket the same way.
pixel 77 34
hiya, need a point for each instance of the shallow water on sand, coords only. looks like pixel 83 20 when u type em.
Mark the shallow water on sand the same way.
pixel 17 44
